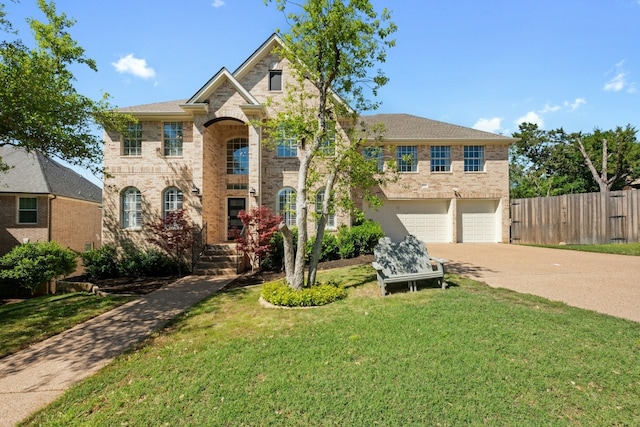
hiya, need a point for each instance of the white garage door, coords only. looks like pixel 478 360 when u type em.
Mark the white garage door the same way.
pixel 428 221
pixel 477 221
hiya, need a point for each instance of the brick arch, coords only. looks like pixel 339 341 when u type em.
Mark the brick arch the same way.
pixel 220 119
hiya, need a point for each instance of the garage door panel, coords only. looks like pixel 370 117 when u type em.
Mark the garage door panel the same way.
pixel 428 221
pixel 477 221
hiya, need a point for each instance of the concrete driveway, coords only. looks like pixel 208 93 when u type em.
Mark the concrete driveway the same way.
pixel 605 283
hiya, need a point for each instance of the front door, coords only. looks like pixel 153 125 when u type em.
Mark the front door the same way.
pixel 234 224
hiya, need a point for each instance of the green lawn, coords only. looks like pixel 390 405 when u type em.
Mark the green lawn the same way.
pixel 611 248
pixel 470 355
pixel 35 319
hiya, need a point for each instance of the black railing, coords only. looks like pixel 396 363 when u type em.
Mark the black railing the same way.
pixel 199 243
pixel 239 254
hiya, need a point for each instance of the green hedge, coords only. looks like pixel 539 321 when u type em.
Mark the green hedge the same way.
pixel 279 293
pixel 107 262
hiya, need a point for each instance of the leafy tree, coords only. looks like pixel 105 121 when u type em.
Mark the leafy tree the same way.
pixel 33 264
pixel 332 47
pixel 550 163
pixel 260 225
pixel 40 109
pixel 173 234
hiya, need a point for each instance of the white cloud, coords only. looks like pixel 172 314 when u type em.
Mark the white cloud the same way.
pixel 549 109
pixel 616 84
pixel 218 3
pixel 136 66
pixel 573 106
pixel 619 81
pixel 493 125
pixel 531 117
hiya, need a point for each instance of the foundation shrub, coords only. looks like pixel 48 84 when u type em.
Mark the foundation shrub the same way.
pixel 279 293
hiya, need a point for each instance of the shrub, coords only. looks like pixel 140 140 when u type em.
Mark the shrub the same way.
pixel 359 239
pixel 330 249
pixel 259 225
pixel 105 263
pixel 101 263
pixel 32 264
pixel 154 262
pixel 151 262
pixel 174 235
pixel 279 293
pixel 275 257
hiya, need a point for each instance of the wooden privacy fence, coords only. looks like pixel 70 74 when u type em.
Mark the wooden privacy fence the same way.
pixel 588 218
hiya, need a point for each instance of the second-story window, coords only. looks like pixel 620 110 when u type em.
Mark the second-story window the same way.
pixel 440 158
pixel 473 158
pixel 328 144
pixel 132 141
pixel 237 156
pixel 275 80
pixel 286 145
pixel 407 158
pixel 173 139
pixel 374 154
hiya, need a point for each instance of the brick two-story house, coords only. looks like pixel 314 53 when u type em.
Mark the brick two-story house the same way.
pixel 206 154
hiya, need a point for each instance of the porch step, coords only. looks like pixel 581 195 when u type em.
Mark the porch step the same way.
pixel 218 260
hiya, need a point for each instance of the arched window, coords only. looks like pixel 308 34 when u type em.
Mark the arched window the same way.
pixel 287 205
pixel 331 218
pixel 171 200
pixel 131 208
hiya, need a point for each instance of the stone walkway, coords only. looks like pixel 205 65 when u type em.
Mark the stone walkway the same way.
pixel 36 376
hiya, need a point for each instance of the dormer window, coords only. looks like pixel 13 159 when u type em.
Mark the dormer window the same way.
pixel 275 80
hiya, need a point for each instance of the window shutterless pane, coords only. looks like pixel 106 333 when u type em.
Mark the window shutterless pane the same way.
pixel 440 159
pixel 28 210
pixel 407 158
pixel 173 139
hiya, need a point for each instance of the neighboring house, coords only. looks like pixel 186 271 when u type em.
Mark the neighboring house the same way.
pixel 41 201
pixel 204 154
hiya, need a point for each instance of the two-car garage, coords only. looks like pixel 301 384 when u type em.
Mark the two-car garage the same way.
pixel 432 221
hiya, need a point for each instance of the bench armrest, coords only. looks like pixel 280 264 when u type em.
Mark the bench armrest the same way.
pixel 376 266
pixel 440 260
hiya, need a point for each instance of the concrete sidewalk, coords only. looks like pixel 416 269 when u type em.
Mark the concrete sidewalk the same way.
pixel 604 283
pixel 36 376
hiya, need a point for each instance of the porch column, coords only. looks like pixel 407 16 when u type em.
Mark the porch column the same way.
pixel 254 198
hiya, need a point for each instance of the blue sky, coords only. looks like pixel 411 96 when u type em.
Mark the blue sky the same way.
pixel 487 64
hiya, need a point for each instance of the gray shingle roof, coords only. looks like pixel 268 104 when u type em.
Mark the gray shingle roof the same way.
pixel 34 173
pixel 408 127
pixel 158 107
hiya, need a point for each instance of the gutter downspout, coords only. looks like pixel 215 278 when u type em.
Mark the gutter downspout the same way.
pixel 50 217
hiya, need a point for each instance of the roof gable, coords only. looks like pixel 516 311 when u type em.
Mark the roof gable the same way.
pixel 214 83
pixel 34 173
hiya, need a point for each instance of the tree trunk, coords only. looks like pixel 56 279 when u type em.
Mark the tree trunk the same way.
pixel 602 180
pixel 287 243
pixel 322 222
pixel 296 278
